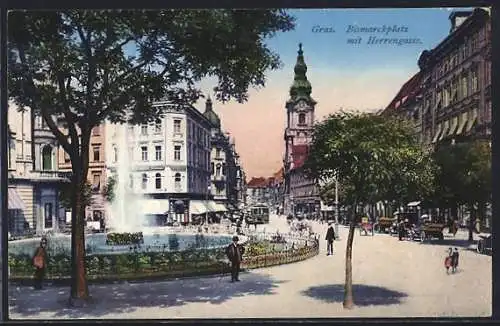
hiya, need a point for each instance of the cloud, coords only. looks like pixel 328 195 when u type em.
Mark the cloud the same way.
pixel 259 124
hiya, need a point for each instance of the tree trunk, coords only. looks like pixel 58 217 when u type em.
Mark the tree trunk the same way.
pixel 348 295
pixel 472 222
pixel 79 287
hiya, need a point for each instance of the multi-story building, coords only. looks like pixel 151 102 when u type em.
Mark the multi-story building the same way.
pixel 449 99
pixel 168 161
pixel 96 176
pixel 456 81
pixel 301 194
pixel 34 178
pixel 257 191
pixel 224 163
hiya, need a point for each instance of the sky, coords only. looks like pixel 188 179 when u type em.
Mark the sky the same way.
pixel 343 75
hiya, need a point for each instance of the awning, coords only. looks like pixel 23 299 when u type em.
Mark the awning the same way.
pixel 446 126
pixel 15 201
pixel 472 120
pixel 413 204
pixel 197 207
pixel 211 206
pixel 453 127
pixel 220 208
pixel 463 122
pixel 154 206
pixel 437 134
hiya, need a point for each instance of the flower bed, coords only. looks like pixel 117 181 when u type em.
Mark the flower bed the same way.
pixel 169 264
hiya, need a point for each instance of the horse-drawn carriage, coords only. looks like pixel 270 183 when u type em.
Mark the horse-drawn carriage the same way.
pixel 428 231
pixel 385 225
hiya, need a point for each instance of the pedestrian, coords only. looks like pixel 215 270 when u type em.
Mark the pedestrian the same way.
pixel 235 253
pixel 330 236
pixel 40 264
pixel 448 260
pixel 401 229
pixel 454 260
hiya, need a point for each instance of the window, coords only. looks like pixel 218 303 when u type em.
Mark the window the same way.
pixel 302 118
pixel 96 131
pixel 48 215
pixel 144 181
pixel 217 152
pixel 223 168
pixel 131 181
pixel 218 170
pixel 97 156
pixel 144 129
pixel 96 182
pixel 177 152
pixel 463 51
pixel 158 181
pixel 66 157
pixel 130 128
pixel 158 153
pixel 144 153
pixel 177 179
pixel 474 80
pixel 47 158
pixel 177 126
pixel 464 87
pixel 212 168
pixel 474 43
pixel 158 126
pixel 115 154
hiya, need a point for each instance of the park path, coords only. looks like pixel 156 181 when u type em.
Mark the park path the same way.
pixel 392 279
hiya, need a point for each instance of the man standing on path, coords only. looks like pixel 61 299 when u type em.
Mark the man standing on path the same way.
pixel 235 253
pixel 330 236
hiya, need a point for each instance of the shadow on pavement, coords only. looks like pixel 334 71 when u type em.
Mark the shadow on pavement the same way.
pixel 116 299
pixel 364 295
pixel 462 243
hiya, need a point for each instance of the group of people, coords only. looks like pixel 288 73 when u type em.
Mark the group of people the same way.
pixel 451 261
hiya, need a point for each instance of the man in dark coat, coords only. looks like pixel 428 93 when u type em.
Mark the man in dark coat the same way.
pixel 235 253
pixel 454 260
pixel 330 236
pixel 40 264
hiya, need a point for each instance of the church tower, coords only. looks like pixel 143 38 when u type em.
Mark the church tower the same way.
pixel 299 110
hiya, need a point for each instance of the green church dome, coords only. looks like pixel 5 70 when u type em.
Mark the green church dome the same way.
pixel 211 115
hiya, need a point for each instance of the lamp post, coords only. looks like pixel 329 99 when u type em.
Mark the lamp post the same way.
pixel 209 188
pixel 337 208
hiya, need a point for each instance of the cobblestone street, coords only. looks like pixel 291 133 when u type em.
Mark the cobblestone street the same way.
pixel 392 279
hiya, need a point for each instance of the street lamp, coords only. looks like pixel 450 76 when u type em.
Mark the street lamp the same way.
pixel 208 196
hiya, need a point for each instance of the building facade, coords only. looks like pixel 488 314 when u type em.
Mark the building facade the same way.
pixel 225 183
pixel 96 176
pixel 34 178
pixel 301 194
pixel 168 162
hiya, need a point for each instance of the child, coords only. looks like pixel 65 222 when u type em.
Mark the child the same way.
pixel 448 260
pixel 454 260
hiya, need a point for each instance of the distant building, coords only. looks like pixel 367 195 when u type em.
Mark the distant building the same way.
pixel 169 162
pixel 257 191
pixel 301 194
pixel 225 183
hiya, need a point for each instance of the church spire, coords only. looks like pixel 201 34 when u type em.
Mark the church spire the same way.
pixel 301 87
pixel 208 104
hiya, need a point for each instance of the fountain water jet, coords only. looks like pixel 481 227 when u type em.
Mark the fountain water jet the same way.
pixel 124 213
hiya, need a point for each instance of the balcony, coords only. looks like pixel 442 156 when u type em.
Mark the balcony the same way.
pixel 219 178
pixel 54 176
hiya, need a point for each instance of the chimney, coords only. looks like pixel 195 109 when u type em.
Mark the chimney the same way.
pixel 457 18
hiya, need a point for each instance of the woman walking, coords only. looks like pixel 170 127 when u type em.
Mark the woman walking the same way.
pixel 40 264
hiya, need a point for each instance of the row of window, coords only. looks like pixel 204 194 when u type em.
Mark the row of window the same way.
pixel 156 127
pixel 197 135
pixel 466 49
pixel 219 169
pixel 459 88
pixel 157 181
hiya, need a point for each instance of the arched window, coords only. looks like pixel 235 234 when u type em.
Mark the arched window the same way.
pixel 144 181
pixel 218 169
pixel 47 158
pixel 177 177
pixel 302 118
pixel 158 181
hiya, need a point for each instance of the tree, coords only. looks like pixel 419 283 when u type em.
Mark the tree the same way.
pixel 463 177
pixel 78 69
pixel 363 150
pixel 109 189
pixel 65 194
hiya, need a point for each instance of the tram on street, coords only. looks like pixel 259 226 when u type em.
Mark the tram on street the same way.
pixel 258 214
